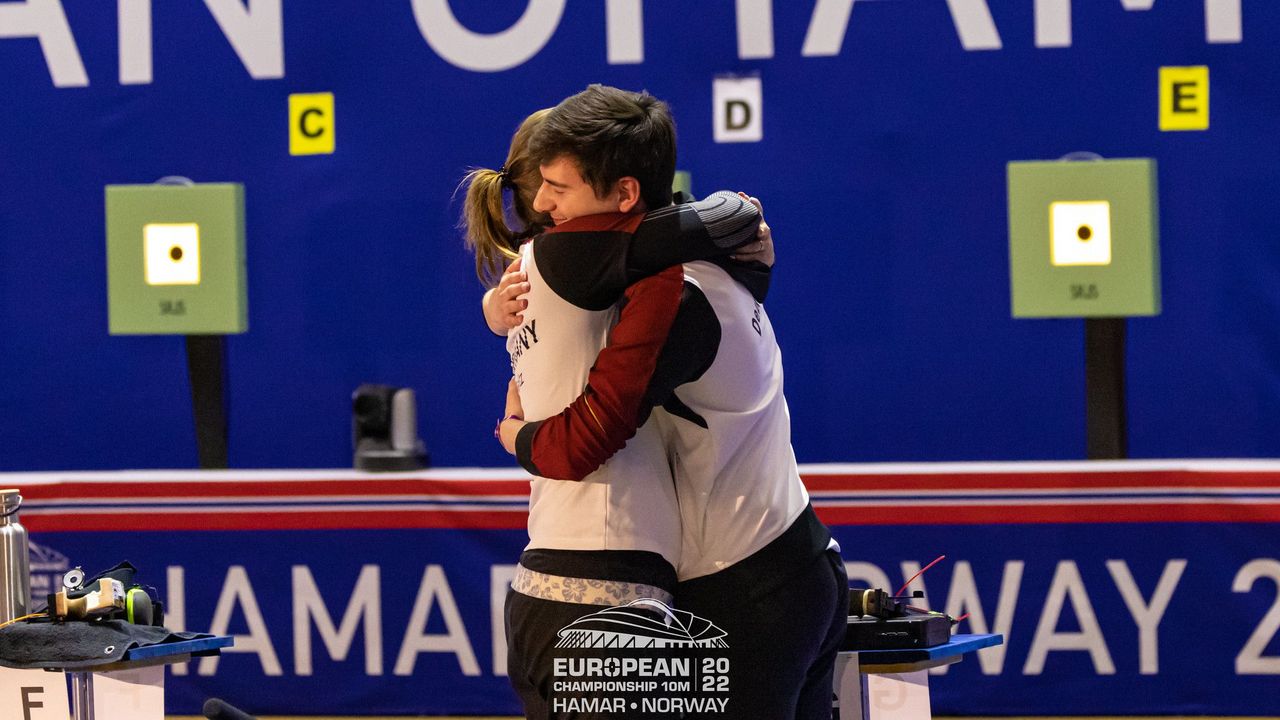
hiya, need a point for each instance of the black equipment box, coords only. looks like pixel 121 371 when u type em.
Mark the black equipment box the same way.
pixel 913 631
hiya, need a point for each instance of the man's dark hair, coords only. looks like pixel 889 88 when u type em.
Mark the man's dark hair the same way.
pixel 613 134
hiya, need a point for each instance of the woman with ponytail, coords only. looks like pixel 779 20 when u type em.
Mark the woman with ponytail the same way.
pixel 614 536
pixel 696 351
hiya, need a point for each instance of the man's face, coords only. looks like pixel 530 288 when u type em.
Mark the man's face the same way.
pixel 564 195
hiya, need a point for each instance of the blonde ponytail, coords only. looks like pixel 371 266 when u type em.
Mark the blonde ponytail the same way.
pixel 484 217
pixel 485 214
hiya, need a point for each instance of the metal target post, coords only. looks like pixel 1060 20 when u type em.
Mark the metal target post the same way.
pixel 1105 408
pixel 207 371
pixel 176 266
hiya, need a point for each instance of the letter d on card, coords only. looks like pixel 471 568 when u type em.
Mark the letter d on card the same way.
pixel 33 695
pixel 738 109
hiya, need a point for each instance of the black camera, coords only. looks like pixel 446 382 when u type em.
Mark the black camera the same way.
pixel 384 430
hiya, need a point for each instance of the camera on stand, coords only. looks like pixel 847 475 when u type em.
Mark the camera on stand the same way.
pixel 384 429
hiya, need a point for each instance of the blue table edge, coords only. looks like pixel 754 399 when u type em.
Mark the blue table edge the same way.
pixel 958 645
pixel 182 647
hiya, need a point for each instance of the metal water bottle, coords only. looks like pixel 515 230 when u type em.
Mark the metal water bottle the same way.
pixel 15 572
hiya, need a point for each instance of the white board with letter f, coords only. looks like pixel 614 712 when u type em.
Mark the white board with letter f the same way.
pixel 33 695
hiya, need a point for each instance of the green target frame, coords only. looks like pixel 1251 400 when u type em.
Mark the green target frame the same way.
pixel 1084 238
pixel 176 259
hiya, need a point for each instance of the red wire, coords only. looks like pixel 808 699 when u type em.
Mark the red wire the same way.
pixel 913 577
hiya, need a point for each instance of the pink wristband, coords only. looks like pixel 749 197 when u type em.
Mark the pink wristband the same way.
pixel 497 429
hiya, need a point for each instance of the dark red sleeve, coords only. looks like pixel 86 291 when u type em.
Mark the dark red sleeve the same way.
pixel 571 445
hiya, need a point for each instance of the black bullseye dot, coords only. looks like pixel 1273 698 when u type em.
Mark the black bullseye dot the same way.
pixel 1085 232
pixel 175 252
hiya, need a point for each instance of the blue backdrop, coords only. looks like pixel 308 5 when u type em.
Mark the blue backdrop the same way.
pixel 882 170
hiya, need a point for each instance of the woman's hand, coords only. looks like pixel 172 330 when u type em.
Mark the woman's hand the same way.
pixel 761 250
pixel 513 418
pixel 513 400
pixel 502 305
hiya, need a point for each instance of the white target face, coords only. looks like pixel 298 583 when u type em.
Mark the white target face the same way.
pixel 172 253
pixel 1080 233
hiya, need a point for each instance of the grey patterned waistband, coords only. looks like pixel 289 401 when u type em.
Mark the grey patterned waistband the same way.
pixel 582 590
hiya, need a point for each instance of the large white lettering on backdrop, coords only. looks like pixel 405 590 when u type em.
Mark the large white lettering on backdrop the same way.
pixel 359 605
pixel 625 20
pixel 830 22
pixel 363 610
pixel 977 29
pixel 256 32
pixel 45 21
pixel 1251 660
pixel 487 52
pixel 1222 20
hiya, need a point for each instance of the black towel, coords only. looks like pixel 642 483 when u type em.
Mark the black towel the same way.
pixel 79 644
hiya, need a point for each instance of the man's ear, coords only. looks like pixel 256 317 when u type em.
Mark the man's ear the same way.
pixel 628 189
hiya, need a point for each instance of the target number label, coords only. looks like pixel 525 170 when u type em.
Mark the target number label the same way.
pixel 311 128
pixel 1184 98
